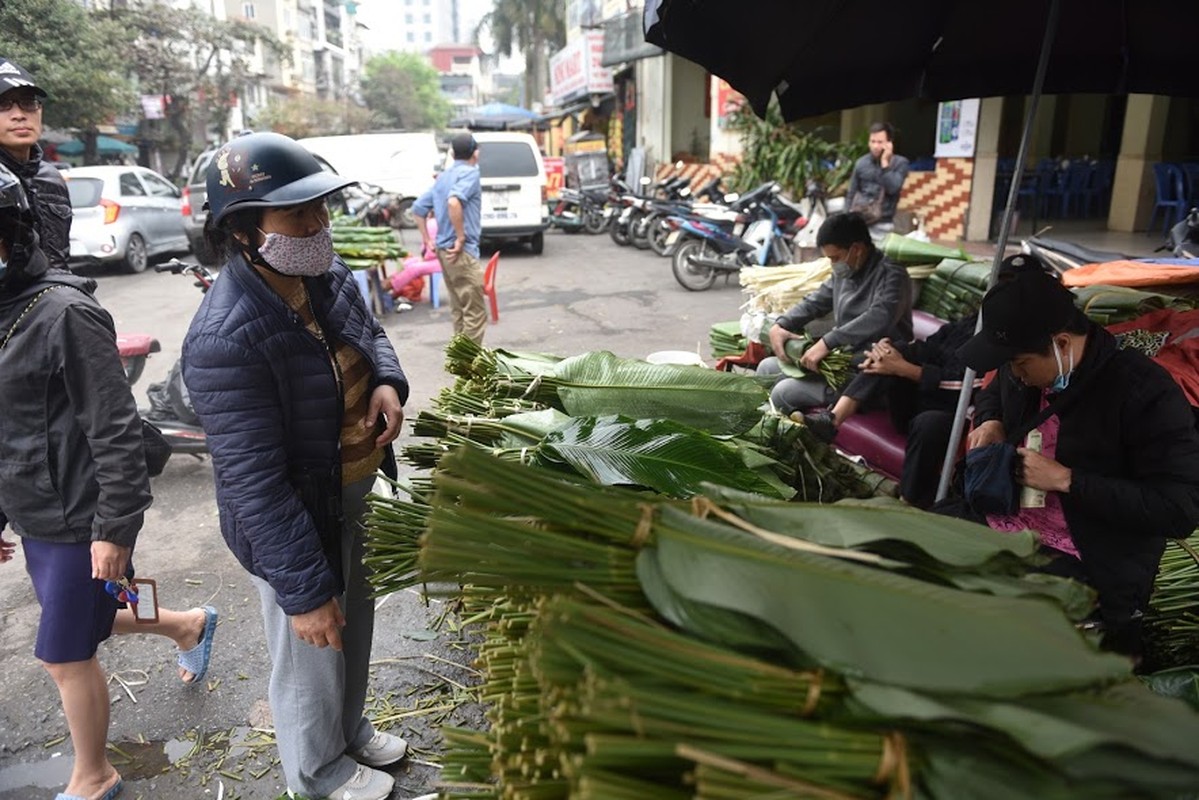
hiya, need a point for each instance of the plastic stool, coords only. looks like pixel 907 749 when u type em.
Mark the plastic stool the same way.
pixel 435 289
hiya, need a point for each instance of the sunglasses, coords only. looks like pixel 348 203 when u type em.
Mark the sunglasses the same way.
pixel 121 590
pixel 28 104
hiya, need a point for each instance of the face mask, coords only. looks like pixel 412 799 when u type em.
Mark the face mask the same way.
pixel 841 269
pixel 1063 376
pixel 304 256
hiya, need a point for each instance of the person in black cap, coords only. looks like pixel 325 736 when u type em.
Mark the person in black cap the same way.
pixel 456 200
pixel 1116 471
pixel 21 102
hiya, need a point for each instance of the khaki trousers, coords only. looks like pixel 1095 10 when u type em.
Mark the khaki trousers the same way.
pixel 463 278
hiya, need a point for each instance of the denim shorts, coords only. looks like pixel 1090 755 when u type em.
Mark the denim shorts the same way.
pixel 77 612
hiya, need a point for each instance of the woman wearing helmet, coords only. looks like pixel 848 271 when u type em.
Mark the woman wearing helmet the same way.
pixel 300 395
pixel 73 483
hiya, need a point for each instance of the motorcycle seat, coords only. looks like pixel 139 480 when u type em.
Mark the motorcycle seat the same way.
pixel 1078 252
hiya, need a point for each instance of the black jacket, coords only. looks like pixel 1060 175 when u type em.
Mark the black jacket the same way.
pixel 1129 437
pixel 72 467
pixel 50 201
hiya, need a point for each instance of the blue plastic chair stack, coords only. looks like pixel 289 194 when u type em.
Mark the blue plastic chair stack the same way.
pixel 1171 195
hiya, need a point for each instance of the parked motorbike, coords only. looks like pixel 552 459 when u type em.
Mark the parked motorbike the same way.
pixel 577 210
pixel 1063 256
pixel 170 406
pixel 711 250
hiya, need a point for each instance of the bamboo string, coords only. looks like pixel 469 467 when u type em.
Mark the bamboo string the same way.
pixel 702 507
pixel 644 526
pixel 758 774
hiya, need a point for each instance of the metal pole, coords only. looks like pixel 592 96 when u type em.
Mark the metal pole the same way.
pixel 955 434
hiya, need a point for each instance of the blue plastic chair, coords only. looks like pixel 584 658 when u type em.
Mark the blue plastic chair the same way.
pixel 1171 195
pixel 1190 171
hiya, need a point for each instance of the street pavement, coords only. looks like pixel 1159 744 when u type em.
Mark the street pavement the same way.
pixel 214 741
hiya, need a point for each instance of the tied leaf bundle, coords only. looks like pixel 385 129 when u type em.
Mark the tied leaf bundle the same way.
pixel 726 339
pixel 836 368
pixel 926 621
pixel 1172 624
pixel 364 247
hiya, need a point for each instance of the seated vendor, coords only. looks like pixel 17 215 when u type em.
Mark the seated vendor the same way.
pixel 919 382
pixel 869 297
pixel 1117 472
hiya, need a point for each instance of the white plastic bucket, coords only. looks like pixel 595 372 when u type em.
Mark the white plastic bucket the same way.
pixel 682 357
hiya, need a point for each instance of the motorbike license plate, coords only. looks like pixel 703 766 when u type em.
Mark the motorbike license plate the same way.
pixel 673 237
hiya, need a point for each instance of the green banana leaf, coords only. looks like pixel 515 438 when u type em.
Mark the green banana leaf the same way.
pixel 877 625
pixel 1181 682
pixel 904 250
pixel 528 428
pixel 858 524
pixel 659 454
pixel 512 362
pixel 1122 733
pixel 599 383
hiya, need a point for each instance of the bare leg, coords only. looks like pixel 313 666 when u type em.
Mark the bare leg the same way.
pixel 84 693
pixel 843 409
pixel 183 627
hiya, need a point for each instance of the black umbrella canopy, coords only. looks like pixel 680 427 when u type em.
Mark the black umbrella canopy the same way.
pixel 826 55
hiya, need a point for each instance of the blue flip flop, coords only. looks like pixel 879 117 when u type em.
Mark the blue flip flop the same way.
pixel 111 794
pixel 196 660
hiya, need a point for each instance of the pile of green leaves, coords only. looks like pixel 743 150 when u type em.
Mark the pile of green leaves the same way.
pixel 639 646
pixel 363 247
pixel 657 620
pixel 726 339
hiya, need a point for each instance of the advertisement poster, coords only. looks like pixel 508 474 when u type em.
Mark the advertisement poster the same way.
pixel 555 176
pixel 957 125
pixel 728 100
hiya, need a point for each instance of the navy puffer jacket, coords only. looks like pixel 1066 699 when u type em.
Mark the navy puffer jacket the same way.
pixel 267 397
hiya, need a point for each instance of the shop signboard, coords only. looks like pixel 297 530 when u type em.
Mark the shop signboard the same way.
pixel 957 125
pixel 576 71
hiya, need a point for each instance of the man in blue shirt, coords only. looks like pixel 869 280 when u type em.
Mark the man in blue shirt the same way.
pixel 456 199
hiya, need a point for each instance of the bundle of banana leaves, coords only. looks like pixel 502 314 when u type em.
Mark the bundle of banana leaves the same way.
pixel 600 383
pixel 363 247
pixel 1107 305
pixel 907 251
pixel 726 339
pixel 836 368
pixel 735 646
pixel 955 289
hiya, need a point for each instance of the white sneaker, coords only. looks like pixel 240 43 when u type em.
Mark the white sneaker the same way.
pixel 364 784
pixel 383 749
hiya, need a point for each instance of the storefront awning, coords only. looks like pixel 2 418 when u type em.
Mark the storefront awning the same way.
pixel 624 41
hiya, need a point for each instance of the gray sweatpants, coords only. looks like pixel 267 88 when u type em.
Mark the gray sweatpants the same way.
pixel 796 394
pixel 316 693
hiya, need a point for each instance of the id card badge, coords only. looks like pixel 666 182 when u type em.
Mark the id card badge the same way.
pixel 146 609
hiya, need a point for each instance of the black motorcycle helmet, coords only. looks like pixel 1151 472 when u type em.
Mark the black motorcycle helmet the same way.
pixel 265 170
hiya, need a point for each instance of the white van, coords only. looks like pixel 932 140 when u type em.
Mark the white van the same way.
pixel 513 178
pixel 402 164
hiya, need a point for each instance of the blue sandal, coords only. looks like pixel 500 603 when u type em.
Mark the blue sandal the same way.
pixel 111 794
pixel 196 660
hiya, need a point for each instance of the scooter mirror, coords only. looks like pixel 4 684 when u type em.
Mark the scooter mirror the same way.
pixel 679 165
pixel 732 197
pixel 645 181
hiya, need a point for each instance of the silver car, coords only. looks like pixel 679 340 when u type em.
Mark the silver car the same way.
pixel 123 215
